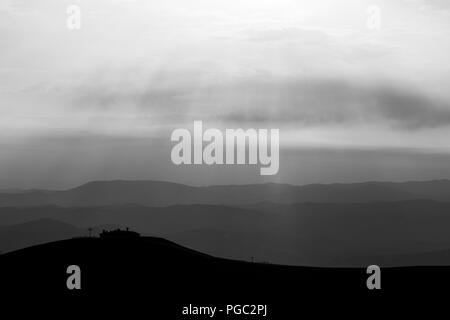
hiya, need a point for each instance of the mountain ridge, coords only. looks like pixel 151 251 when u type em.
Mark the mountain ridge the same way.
pixel 160 193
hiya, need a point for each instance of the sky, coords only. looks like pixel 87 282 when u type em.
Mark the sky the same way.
pixel 353 102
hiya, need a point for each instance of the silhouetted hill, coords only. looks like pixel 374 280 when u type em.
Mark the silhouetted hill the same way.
pixel 316 234
pixel 34 232
pixel 164 277
pixel 140 262
pixel 157 193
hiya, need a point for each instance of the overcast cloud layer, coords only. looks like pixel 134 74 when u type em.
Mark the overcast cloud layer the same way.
pixel 137 69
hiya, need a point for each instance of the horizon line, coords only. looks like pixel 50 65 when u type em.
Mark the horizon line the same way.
pixel 13 190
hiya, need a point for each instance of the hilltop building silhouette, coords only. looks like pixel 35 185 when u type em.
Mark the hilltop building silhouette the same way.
pixel 118 233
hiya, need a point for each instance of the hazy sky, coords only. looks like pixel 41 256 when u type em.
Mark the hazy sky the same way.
pixel 352 103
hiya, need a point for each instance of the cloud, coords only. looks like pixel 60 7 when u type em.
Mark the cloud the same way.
pixel 283 34
pixel 323 102
pixel 267 99
pixel 433 4
pixel 442 4
pixel 411 110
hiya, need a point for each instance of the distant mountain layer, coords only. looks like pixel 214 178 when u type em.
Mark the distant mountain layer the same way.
pixel 35 232
pixel 318 234
pixel 157 193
